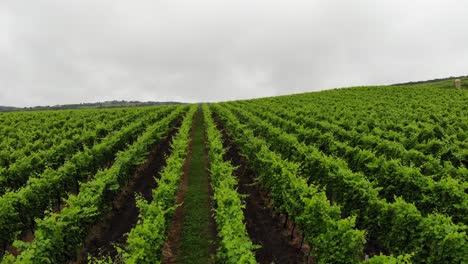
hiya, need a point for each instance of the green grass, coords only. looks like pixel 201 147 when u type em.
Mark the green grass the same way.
pixel 196 238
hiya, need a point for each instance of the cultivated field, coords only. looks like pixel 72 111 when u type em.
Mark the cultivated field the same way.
pixel 356 175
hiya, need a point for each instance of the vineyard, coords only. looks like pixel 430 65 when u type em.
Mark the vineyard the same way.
pixel 357 175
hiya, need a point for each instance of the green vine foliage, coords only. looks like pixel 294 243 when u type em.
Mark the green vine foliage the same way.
pixel 146 239
pixel 399 226
pixel 234 245
pixel 59 235
pixel 334 240
pixel 18 209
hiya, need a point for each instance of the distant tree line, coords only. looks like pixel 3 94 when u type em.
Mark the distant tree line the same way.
pixel 106 104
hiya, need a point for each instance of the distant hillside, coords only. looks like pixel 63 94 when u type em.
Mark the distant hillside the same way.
pixel 106 104
pixel 7 108
pixel 433 80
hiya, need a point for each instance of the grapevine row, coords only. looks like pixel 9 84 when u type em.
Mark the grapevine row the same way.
pixel 18 209
pixel 444 137
pixel 59 235
pixel 398 226
pixel 19 172
pixel 445 196
pixel 41 131
pixel 333 239
pixel 234 245
pixel 146 239
pixel 390 149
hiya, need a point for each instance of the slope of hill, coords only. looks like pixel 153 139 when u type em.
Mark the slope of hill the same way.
pixel 375 174
pixel 392 158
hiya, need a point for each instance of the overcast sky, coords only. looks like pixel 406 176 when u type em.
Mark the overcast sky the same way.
pixel 57 52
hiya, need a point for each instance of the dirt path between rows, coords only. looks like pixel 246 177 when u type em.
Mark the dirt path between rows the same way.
pixel 264 229
pixel 27 235
pixel 112 228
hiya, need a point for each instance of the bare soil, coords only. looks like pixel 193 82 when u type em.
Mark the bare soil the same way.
pixel 27 235
pixel 264 228
pixel 112 228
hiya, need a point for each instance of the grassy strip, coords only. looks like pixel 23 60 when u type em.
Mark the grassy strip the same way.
pixel 234 243
pixel 196 239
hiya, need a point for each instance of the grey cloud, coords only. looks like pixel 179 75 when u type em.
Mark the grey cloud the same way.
pixel 54 52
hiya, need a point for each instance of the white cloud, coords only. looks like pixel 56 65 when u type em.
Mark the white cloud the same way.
pixel 54 52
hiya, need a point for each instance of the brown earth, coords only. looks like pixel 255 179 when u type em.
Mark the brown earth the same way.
pixel 264 228
pixel 171 247
pixel 112 228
